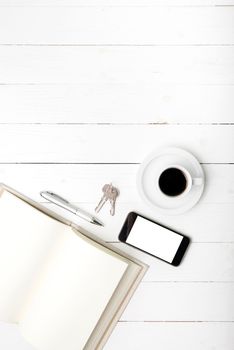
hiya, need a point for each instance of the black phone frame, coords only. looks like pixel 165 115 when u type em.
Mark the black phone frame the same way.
pixel 126 229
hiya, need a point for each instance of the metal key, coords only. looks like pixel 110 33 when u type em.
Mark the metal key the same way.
pixel 106 189
pixel 112 197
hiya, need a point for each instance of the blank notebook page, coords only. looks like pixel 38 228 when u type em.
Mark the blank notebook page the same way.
pixel 26 238
pixel 71 294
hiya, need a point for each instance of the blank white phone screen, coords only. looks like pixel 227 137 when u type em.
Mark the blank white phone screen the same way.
pixel 154 239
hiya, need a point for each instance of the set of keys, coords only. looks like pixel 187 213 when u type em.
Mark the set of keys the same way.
pixel 110 193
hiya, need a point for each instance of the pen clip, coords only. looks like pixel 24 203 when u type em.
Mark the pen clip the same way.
pixel 51 196
pixel 58 200
pixel 56 196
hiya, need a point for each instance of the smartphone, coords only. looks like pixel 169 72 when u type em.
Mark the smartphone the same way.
pixel 154 238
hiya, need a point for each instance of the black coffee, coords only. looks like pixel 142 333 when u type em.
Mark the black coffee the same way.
pixel 172 182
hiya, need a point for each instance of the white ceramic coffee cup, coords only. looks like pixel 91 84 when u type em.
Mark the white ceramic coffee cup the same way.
pixel 190 181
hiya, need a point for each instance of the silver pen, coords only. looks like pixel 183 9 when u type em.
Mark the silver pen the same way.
pixel 65 204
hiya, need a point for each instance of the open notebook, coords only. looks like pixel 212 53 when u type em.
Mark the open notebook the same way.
pixel 65 289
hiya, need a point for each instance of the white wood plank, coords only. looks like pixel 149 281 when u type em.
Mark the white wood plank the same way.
pixel 117 103
pixel 167 26
pixel 193 65
pixel 171 336
pixel 203 262
pixel 82 184
pixel 181 302
pixel 108 3
pixel 147 335
pixel 198 224
pixel 108 143
pixel 203 223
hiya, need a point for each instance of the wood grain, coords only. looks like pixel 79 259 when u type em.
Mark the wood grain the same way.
pixel 147 335
pixel 181 302
pixel 101 26
pixel 171 336
pixel 78 88
pixel 203 262
pixel 75 143
pixel 192 65
pixel 81 183
pixel 108 3
pixel 124 103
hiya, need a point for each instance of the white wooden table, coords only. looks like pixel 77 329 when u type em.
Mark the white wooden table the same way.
pixel 87 89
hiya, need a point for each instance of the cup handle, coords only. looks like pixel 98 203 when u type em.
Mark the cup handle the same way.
pixel 197 181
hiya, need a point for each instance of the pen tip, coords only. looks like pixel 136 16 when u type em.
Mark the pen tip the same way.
pixel 97 222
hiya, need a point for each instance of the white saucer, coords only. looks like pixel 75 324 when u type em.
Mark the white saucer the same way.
pixel 150 170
